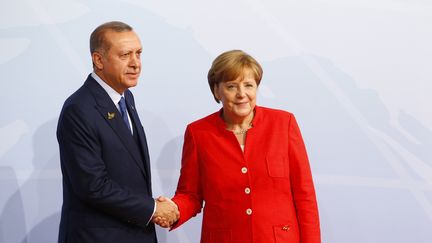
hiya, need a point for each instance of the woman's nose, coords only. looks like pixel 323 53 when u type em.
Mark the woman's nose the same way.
pixel 240 92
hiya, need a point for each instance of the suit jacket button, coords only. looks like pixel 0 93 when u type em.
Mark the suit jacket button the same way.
pixel 286 228
pixel 132 221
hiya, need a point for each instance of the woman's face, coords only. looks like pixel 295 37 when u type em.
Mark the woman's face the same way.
pixel 238 96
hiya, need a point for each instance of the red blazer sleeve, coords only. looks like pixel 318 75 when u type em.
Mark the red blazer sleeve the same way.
pixel 188 196
pixel 302 186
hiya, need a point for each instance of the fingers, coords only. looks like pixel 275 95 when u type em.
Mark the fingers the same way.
pixel 165 199
pixel 162 199
pixel 162 222
pixel 167 212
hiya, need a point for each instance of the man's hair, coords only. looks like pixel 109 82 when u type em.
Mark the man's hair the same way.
pixel 98 41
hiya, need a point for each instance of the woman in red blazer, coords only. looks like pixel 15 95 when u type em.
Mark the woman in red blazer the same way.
pixel 248 164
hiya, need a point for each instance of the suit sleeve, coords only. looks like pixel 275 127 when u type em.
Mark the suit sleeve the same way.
pixel 85 170
pixel 188 196
pixel 302 186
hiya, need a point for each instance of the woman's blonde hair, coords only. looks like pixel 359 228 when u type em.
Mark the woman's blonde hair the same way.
pixel 229 66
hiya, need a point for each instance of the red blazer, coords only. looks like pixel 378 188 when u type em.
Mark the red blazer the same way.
pixel 263 195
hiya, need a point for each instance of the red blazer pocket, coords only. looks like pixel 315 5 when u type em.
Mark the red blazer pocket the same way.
pixel 285 233
pixel 277 165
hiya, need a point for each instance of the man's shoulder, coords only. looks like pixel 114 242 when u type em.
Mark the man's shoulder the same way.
pixel 82 99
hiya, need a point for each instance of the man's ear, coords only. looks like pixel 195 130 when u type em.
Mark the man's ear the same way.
pixel 97 60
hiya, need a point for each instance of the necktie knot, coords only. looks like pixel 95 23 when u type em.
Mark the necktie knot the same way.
pixel 123 112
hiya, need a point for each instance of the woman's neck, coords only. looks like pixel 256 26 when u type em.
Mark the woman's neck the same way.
pixel 240 124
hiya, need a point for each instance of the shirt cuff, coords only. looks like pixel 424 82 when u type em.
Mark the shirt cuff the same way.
pixel 154 211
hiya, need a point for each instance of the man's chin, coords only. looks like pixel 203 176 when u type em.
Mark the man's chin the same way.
pixel 132 82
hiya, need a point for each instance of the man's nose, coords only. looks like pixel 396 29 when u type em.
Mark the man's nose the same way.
pixel 134 61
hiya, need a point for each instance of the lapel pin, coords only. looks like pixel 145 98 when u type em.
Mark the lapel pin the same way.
pixel 111 115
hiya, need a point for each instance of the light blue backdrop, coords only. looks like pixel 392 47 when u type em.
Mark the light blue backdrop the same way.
pixel 356 73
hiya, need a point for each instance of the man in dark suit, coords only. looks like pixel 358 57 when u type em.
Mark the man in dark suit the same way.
pixel 107 195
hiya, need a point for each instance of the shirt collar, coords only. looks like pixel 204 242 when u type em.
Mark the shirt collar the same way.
pixel 115 97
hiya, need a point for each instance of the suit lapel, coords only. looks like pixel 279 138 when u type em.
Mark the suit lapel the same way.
pixel 111 114
pixel 139 131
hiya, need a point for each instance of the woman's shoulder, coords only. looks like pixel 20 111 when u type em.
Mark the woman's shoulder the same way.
pixel 204 122
pixel 272 112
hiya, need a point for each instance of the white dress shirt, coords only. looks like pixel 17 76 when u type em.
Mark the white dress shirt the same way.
pixel 115 97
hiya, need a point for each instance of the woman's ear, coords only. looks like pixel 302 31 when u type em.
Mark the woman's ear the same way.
pixel 216 91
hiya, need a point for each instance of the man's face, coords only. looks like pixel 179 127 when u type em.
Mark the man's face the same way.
pixel 120 65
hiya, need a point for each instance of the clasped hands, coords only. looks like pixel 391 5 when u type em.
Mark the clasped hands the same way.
pixel 167 212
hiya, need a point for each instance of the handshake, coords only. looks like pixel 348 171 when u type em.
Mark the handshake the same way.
pixel 167 212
